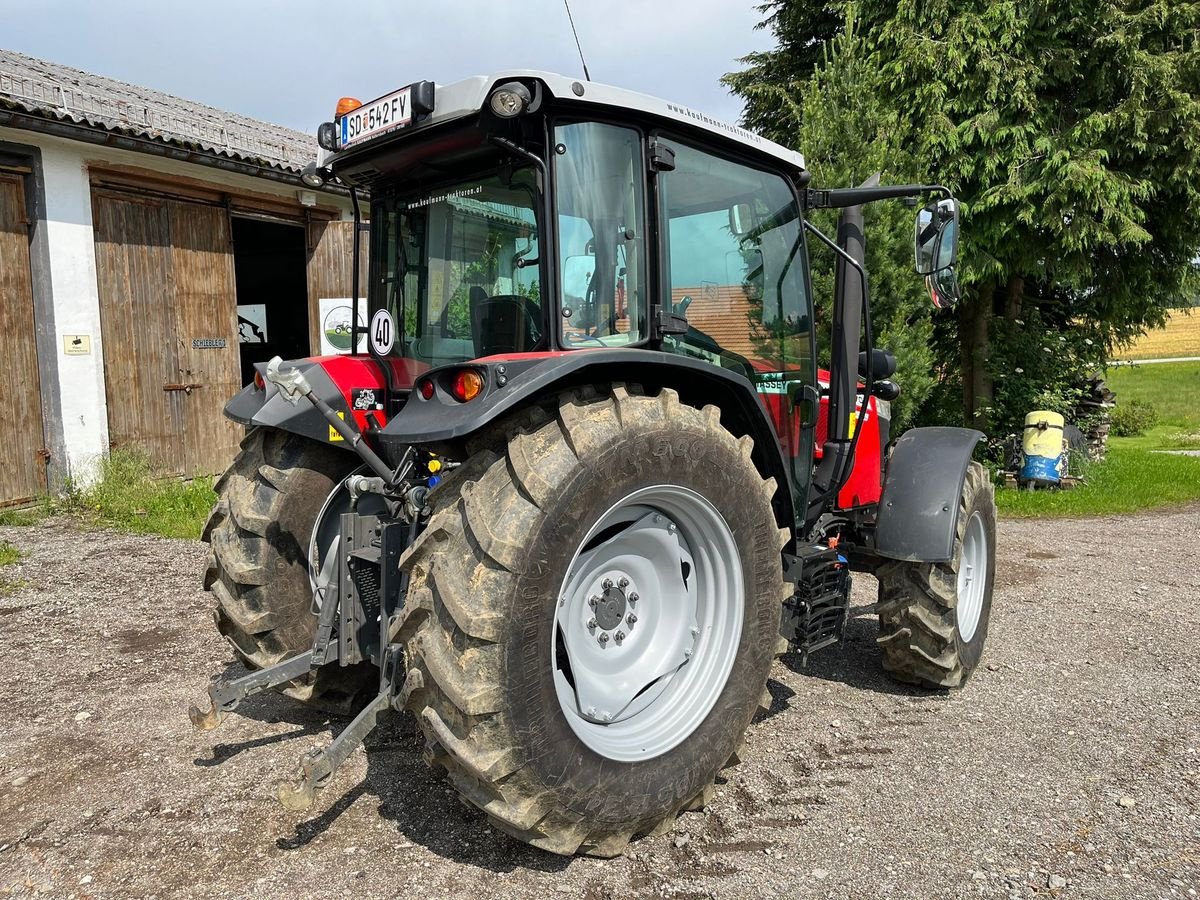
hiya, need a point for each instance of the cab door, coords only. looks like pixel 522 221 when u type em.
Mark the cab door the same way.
pixel 735 266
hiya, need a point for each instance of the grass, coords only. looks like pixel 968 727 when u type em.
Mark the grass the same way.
pixel 1133 477
pixel 1127 481
pixel 25 516
pixel 10 555
pixel 128 495
pixel 1173 389
pixel 1180 337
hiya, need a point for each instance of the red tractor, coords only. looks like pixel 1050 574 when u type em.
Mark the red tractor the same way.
pixel 589 480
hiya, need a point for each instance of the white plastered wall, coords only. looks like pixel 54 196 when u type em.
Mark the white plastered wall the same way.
pixel 76 299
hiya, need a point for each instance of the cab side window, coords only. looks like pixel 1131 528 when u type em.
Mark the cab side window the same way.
pixel 734 263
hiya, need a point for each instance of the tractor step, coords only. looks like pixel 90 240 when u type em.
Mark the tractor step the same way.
pixel 814 617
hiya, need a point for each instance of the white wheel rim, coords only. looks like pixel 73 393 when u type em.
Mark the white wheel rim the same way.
pixel 972 578
pixel 640 652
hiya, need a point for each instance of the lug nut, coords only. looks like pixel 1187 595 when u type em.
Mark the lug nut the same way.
pixel 631 619
pixel 607 717
pixel 606 583
pixel 633 598
pixel 591 624
pixel 603 638
pixel 623 583
pixel 620 636
pixel 687 654
pixel 593 600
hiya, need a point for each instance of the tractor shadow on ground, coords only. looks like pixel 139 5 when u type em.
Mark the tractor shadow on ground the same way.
pixel 421 804
pixel 418 800
pixel 855 661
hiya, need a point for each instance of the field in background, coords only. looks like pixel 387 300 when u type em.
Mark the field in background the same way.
pixel 1180 337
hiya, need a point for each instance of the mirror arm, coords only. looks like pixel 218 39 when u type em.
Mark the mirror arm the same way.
pixel 839 198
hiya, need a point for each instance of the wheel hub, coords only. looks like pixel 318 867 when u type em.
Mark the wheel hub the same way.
pixel 610 608
pixel 637 609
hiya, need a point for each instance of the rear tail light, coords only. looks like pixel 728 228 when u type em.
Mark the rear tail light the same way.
pixel 258 381
pixel 466 385
pixel 425 389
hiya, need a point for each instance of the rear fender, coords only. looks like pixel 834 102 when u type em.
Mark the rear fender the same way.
pixel 352 385
pixel 918 512
pixel 514 382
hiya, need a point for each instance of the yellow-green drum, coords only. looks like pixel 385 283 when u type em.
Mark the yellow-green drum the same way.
pixel 1043 447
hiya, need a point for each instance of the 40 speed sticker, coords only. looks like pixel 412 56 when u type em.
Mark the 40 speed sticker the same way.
pixel 382 333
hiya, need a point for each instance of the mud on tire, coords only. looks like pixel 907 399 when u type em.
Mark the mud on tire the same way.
pixel 479 619
pixel 258 536
pixel 920 631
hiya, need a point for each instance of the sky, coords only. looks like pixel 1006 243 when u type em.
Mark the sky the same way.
pixel 287 61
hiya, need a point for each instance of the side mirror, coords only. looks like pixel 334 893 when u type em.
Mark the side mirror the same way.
pixel 577 275
pixel 936 250
pixel 741 219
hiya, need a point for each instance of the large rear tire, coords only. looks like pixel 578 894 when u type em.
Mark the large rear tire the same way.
pixel 576 508
pixel 933 617
pixel 258 535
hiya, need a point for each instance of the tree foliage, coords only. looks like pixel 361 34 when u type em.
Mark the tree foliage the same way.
pixel 1071 132
pixel 848 133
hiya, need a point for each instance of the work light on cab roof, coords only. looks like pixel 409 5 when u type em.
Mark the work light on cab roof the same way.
pixel 590 312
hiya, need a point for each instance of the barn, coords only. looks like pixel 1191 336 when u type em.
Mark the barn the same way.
pixel 151 250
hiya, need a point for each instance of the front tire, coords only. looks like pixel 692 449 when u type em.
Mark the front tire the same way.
pixel 933 617
pixel 497 610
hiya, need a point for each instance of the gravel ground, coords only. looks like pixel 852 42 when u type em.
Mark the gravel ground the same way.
pixel 1068 767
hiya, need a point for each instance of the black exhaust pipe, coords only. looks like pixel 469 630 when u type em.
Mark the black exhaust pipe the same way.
pixel 850 301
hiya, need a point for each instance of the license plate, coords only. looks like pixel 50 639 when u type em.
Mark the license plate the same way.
pixel 376 118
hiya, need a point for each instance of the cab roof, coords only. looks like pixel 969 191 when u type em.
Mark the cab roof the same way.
pixel 467 97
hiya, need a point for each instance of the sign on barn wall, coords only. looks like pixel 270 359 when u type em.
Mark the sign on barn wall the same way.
pixel 335 325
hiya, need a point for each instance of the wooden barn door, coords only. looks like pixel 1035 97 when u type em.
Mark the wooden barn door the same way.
pixel 133 274
pixel 205 302
pixel 168 315
pixel 330 270
pixel 23 475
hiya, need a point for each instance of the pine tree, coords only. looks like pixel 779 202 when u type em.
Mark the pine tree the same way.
pixel 1070 130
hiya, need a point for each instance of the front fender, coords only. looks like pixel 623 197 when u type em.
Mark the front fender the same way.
pixel 918 511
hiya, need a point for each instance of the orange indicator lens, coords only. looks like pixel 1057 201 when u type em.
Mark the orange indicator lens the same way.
pixel 466 385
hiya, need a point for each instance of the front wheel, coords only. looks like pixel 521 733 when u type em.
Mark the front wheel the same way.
pixel 592 614
pixel 933 617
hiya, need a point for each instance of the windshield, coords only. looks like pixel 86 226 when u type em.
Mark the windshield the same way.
pixel 457 267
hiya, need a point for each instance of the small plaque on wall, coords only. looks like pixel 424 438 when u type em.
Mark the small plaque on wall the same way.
pixel 208 343
pixel 77 344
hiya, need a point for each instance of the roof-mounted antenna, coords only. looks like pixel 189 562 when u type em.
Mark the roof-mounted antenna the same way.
pixel 571 19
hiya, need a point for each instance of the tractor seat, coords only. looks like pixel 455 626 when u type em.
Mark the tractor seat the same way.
pixel 506 323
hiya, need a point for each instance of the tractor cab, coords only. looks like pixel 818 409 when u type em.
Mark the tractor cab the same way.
pixel 533 214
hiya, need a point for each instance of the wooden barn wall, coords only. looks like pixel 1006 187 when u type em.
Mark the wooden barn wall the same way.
pixel 23 475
